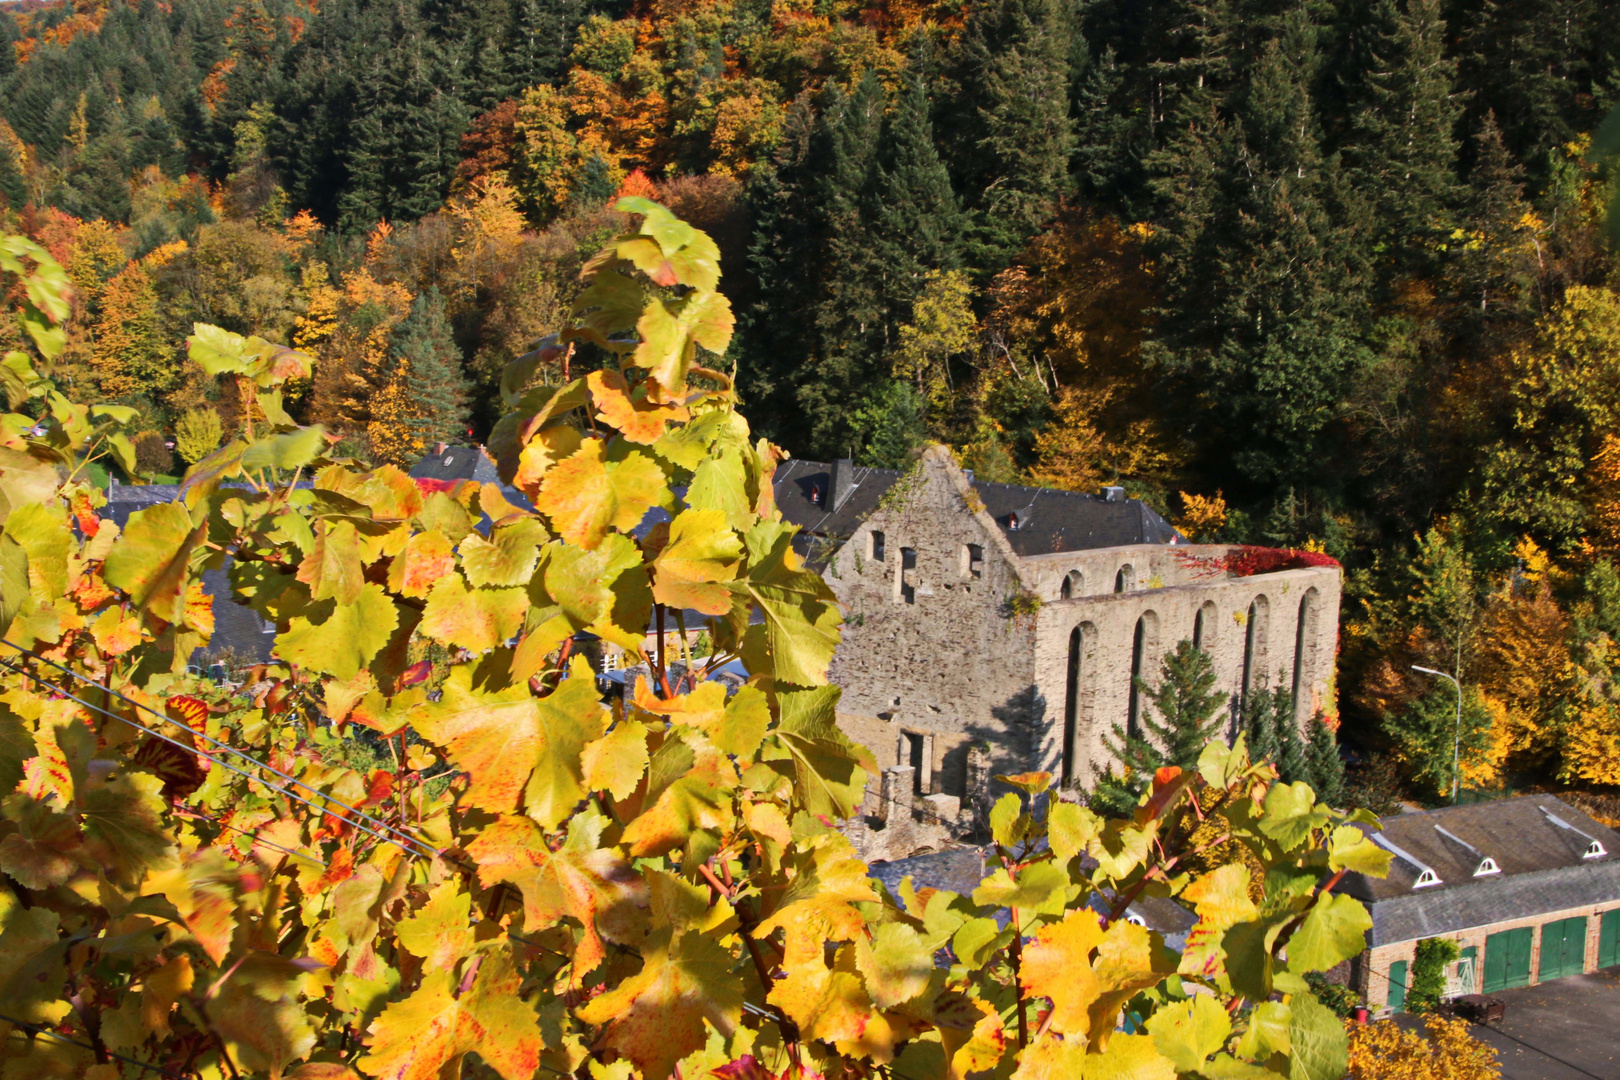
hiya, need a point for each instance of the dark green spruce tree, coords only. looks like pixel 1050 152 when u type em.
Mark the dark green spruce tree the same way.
pixel 1260 329
pixel 1323 766
pixel 436 383
pixel 1013 133
pixel 1404 135
pixel 1187 707
pixel 919 222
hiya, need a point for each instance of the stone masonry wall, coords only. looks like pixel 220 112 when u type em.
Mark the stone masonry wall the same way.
pixel 1169 615
pixel 952 661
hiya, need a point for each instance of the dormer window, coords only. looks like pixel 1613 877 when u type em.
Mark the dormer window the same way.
pixel 1012 522
pixel 1427 878
pixel 1595 851
pixel 1487 867
pixel 815 495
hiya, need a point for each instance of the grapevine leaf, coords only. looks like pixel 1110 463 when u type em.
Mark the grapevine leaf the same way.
pixel 698 800
pixel 291 450
pixel 590 885
pixel 1130 1057
pixel 426 1035
pixel 1349 848
pixel 45 850
pixel 630 412
pixel 474 619
pixel 895 963
pixel 1070 829
pixel 123 823
pixel 800 627
pixel 511 744
pixel 440 932
pixel 694 568
pixel 1129 959
pixel 616 762
pixel 1291 813
pixel 656 1016
pixel 1335 929
pixel 1188 1032
pixel 1039 888
pixel 258 1013
pixel 1221 899
pixel 150 559
pixel 1057 965
pixel 332 568
pixel 828 777
pixel 340 639
pixel 590 492
pixel 507 558
pixel 425 560
pixel 1318 1048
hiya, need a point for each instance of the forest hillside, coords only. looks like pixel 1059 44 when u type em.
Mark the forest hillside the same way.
pixel 1331 275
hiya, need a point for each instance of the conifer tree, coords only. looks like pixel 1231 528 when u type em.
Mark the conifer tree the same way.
pixel 1291 761
pixel 1015 132
pixel 1187 705
pixel 1259 730
pixel 539 36
pixel 1404 136
pixel 919 223
pixel 1323 766
pixel 434 384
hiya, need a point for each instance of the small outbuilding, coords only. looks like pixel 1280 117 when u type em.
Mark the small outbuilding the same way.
pixel 1528 887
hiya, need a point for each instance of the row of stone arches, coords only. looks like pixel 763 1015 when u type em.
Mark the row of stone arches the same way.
pixel 1146 649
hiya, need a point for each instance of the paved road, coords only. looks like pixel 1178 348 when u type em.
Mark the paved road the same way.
pixel 1568 1029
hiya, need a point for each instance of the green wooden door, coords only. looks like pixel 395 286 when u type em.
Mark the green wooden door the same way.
pixel 1609 939
pixel 1507 959
pixel 1397 986
pixel 1563 948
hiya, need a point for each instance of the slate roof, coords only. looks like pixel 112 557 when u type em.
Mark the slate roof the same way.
pixel 457 463
pixel 236 626
pixel 1048 520
pixel 1538 844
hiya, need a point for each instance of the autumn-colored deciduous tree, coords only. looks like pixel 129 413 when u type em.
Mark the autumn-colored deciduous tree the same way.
pixel 1445 1050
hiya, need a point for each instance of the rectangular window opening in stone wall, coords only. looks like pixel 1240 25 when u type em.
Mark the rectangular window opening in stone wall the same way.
pixel 875 537
pixel 972 562
pixel 908 566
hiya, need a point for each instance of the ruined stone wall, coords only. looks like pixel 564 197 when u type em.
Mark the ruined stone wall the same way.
pixel 938 650
pixel 1250 624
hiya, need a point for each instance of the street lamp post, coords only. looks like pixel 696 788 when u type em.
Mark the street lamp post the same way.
pixel 1456 740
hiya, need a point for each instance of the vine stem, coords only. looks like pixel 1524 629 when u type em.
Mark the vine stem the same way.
pixel 1016 951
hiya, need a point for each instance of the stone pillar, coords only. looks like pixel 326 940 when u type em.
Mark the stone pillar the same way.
pixel 896 788
pixel 976 796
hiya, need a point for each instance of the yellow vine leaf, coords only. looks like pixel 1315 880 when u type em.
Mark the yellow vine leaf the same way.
pixel 432 1030
pixel 656 1017
pixel 1057 965
pixel 593 491
pixel 440 932
pixel 695 567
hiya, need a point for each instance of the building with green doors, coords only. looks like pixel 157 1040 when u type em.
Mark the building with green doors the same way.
pixel 1529 888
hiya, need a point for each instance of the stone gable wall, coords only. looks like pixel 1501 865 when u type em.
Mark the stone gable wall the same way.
pixel 951 661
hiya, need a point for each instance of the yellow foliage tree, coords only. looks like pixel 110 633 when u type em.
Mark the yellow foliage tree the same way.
pixel 545 154
pixel 1076 454
pixel 356 362
pixel 130 355
pixel 942 326
pixel 321 305
pixel 1386 1051
pixel 1202 518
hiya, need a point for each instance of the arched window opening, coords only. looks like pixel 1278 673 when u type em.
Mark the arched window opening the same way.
pixel 1204 627
pixel 1072 584
pixel 1071 704
pixel 1305 654
pixel 1133 722
pixel 1125 580
pixel 1254 646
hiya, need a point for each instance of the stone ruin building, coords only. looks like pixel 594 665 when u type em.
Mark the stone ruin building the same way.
pixel 992 628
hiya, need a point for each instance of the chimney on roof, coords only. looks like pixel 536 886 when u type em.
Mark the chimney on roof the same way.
pixel 441 448
pixel 843 482
pixel 1112 494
